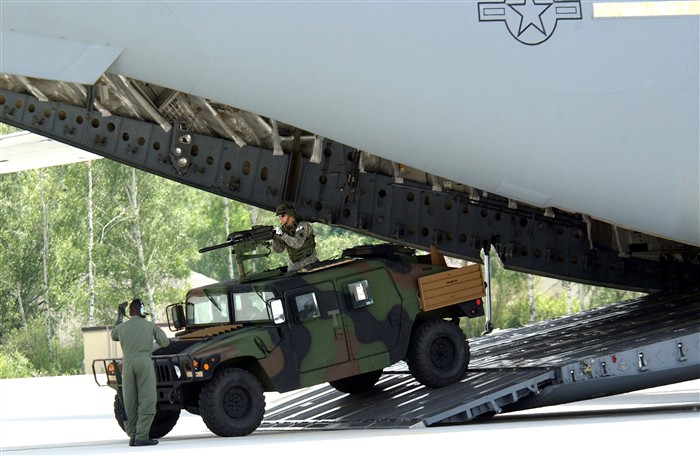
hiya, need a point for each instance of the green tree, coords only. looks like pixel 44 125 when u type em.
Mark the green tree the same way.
pixel 42 281
pixel 603 296
pixel 144 246
pixel 20 243
pixel 509 296
pixel 550 306
pixel 211 228
pixel 30 346
pixel 14 364
pixel 5 129
pixel 331 241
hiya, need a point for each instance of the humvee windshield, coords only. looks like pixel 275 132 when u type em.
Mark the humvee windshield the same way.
pixel 250 306
pixel 213 307
pixel 207 309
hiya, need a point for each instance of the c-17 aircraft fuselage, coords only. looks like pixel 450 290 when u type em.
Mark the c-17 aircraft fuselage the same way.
pixel 563 133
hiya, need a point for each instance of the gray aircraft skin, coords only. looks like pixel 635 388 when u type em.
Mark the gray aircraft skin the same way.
pixel 545 102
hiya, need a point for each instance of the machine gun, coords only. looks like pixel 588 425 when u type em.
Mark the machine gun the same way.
pixel 243 242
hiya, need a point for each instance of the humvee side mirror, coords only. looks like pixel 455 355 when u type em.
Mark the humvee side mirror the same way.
pixel 277 311
pixel 177 316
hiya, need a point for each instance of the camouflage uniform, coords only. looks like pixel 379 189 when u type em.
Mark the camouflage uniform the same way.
pixel 300 244
pixel 136 337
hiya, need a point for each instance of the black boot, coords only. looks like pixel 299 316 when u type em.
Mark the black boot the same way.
pixel 131 441
pixel 146 442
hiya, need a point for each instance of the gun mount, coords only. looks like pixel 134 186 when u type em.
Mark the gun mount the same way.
pixel 244 242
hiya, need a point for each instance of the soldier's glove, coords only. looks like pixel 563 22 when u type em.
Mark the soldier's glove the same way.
pixel 122 313
pixel 278 230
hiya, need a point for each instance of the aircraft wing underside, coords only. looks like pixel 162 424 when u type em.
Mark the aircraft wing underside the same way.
pixel 257 160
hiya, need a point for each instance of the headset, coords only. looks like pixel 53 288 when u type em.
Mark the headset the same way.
pixel 141 308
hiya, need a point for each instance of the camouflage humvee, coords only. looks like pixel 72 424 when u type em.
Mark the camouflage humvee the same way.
pixel 340 322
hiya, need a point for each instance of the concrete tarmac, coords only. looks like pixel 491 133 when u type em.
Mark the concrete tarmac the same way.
pixel 73 416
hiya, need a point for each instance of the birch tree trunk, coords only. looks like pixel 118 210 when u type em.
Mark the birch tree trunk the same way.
pixel 531 294
pixel 133 202
pixel 253 222
pixel 229 258
pixel 22 315
pixel 45 259
pixel 569 298
pixel 91 272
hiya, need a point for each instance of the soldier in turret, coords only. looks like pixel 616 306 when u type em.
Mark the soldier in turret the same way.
pixel 296 236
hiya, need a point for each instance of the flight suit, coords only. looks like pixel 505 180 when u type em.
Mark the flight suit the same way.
pixel 136 337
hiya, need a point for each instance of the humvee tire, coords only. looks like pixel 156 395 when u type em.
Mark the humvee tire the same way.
pixel 357 383
pixel 163 422
pixel 232 403
pixel 438 353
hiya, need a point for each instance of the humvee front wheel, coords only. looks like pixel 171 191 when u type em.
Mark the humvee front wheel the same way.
pixel 438 353
pixel 357 383
pixel 232 403
pixel 163 422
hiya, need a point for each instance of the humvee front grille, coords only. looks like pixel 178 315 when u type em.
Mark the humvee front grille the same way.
pixel 171 369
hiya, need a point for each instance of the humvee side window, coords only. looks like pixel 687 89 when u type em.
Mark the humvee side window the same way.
pixel 307 306
pixel 360 293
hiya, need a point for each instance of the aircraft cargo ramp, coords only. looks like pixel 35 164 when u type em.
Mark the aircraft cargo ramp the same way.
pixel 624 347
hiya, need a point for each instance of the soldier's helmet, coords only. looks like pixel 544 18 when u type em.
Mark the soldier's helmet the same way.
pixel 286 208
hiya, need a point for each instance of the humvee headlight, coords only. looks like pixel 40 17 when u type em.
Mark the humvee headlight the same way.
pixel 178 374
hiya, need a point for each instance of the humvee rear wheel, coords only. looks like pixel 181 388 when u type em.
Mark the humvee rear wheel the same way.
pixel 163 422
pixel 232 403
pixel 357 383
pixel 438 354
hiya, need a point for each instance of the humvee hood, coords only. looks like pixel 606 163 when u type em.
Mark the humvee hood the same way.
pixel 235 341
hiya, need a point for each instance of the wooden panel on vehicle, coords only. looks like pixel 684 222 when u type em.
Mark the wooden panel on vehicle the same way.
pixel 451 287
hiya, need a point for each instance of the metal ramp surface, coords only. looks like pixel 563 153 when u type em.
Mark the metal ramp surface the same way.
pixel 624 347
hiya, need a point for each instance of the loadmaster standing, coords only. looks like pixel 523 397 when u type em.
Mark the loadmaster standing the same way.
pixel 136 337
